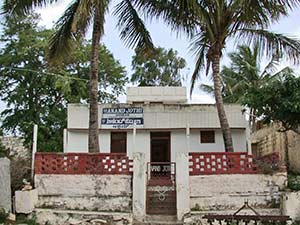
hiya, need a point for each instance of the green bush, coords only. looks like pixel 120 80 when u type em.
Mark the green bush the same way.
pixel 294 182
pixel 23 219
pixel 4 152
pixel 3 215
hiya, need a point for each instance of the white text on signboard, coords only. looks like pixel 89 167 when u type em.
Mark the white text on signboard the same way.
pixel 122 117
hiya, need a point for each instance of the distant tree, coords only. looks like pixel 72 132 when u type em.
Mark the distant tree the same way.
pixel 158 68
pixel 73 26
pixel 37 94
pixel 278 101
pixel 246 74
pixel 112 76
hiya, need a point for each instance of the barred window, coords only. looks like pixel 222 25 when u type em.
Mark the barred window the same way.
pixel 207 136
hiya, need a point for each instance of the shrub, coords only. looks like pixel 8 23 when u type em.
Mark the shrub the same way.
pixel 294 182
pixel 3 215
pixel 4 152
pixel 20 169
pixel 23 219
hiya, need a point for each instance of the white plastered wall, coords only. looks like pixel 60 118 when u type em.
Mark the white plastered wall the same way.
pixel 142 143
pixel 178 142
pixel 238 136
pixel 78 142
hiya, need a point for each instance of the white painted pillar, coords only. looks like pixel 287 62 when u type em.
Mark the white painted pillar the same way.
pixel 182 184
pixel 134 138
pixel 34 149
pixel 182 178
pixel 65 138
pixel 188 132
pixel 248 140
pixel 139 186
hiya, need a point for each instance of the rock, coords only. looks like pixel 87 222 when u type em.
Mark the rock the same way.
pixel 72 221
pixel 11 218
pixel 27 187
pixel 5 196
pixel 98 222
pixel 25 201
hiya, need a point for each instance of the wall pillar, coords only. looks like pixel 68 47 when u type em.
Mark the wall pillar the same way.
pixel 65 140
pixel 34 149
pixel 5 182
pixel 290 205
pixel 182 184
pixel 139 186
pixel 248 141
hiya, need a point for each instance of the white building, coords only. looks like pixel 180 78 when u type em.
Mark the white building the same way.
pixel 158 155
pixel 165 124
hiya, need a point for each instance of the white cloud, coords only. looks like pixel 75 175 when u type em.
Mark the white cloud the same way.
pixel 51 13
pixel 202 98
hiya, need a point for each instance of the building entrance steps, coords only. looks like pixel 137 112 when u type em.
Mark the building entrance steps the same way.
pixel 161 189
pixel 159 220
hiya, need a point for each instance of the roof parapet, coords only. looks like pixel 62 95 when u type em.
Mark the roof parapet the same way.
pixel 166 95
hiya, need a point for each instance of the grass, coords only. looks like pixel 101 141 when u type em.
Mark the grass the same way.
pixel 21 219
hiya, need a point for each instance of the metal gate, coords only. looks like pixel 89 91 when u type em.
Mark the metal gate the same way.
pixel 161 188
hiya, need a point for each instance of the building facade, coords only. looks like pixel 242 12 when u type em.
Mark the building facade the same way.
pixel 157 121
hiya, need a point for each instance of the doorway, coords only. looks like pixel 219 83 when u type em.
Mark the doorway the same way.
pixel 160 147
pixel 161 176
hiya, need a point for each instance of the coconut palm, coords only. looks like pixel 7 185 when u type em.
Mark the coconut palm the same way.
pixel 211 24
pixel 74 24
pixel 246 74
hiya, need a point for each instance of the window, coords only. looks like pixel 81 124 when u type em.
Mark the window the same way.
pixel 207 136
pixel 118 142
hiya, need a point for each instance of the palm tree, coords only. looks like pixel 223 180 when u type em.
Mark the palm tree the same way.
pixel 245 75
pixel 211 24
pixel 73 25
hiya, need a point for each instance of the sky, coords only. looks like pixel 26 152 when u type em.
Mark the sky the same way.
pixel 162 36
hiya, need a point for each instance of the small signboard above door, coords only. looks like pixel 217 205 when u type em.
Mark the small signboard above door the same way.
pixel 122 118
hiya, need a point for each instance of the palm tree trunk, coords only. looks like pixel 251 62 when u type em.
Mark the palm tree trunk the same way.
pixel 93 111
pixel 254 121
pixel 219 103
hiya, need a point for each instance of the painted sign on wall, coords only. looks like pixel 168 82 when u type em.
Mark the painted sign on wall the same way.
pixel 122 117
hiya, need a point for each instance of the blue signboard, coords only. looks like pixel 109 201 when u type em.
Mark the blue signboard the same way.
pixel 126 117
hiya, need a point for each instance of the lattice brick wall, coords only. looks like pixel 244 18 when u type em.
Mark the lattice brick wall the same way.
pixel 82 163
pixel 221 163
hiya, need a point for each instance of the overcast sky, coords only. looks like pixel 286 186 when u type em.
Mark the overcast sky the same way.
pixel 162 36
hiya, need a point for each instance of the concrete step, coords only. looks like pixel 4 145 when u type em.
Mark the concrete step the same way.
pixel 80 217
pixel 261 211
pixel 158 223
pixel 160 220
pixel 155 205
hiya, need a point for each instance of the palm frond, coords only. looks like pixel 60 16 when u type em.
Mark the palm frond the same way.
pixel 22 7
pixel 180 15
pixel 199 48
pixel 271 66
pixel 133 30
pixel 198 66
pixel 271 43
pixel 71 26
pixel 260 13
pixel 281 74
pixel 207 88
